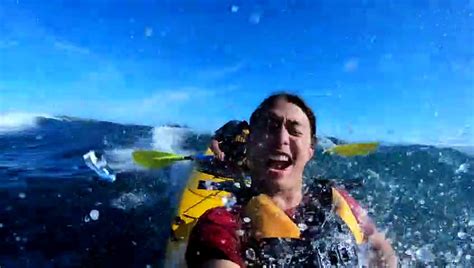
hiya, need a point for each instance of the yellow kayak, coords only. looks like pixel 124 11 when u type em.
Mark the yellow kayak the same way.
pixel 194 202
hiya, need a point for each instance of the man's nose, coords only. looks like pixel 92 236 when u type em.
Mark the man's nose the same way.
pixel 283 137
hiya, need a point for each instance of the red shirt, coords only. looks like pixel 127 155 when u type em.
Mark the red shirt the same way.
pixel 215 236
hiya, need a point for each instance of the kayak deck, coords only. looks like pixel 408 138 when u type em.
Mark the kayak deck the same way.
pixel 194 202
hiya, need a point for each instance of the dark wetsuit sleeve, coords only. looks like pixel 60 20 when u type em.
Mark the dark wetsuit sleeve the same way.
pixel 214 237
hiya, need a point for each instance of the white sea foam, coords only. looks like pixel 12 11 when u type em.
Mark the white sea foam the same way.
pixel 164 138
pixel 18 121
pixel 169 139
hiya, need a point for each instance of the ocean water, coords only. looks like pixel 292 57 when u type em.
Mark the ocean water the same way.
pixel 55 212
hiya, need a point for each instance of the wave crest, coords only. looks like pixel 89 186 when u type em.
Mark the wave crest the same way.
pixel 17 121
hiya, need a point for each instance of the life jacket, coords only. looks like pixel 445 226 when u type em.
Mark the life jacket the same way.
pixel 324 231
pixel 242 137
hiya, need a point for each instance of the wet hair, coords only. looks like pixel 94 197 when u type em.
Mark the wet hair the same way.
pixel 244 124
pixel 270 102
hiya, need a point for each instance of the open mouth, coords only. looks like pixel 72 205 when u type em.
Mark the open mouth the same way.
pixel 279 161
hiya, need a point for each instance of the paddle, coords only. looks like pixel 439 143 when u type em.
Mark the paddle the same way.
pixel 353 149
pixel 157 160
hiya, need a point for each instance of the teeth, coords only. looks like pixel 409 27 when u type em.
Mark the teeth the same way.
pixel 279 157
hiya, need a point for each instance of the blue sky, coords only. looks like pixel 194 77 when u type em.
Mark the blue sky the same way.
pixel 396 71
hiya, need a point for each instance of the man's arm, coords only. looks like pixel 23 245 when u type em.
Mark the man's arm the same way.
pixel 219 154
pixel 219 136
pixel 384 254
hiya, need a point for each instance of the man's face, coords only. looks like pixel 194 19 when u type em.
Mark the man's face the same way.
pixel 280 146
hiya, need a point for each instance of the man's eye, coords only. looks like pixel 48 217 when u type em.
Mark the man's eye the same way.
pixel 295 132
pixel 272 125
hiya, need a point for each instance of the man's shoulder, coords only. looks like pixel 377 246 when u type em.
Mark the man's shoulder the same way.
pixel 222 216
pixel 214 237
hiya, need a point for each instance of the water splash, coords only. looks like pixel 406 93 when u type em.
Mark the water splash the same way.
pixel 12 122
pixel 169 139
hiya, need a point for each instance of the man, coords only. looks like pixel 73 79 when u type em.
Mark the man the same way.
pixel 286 224
pixel 228 142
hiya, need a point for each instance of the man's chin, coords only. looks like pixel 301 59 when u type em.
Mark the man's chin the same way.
pixel 277 174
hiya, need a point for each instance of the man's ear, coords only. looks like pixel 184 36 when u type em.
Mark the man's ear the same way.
pixel 314 143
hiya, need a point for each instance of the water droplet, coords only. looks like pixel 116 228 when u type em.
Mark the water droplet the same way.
pixel 255 18
pixel 424 254
pixel 373 174
pixel 22 195
pixel 247 220
pixel 250 254
pixel 462 235
pixel 468 257
pixel 422 202
pixel 224 200
pixel 148 31
pixel 462 168
pixel 86 219
pixel 240 232
pixel 302 226
pixel 471 222
pixel 94 214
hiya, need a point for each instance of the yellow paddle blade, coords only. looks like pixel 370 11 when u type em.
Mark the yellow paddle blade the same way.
pixel 354 149
pixel 155 159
